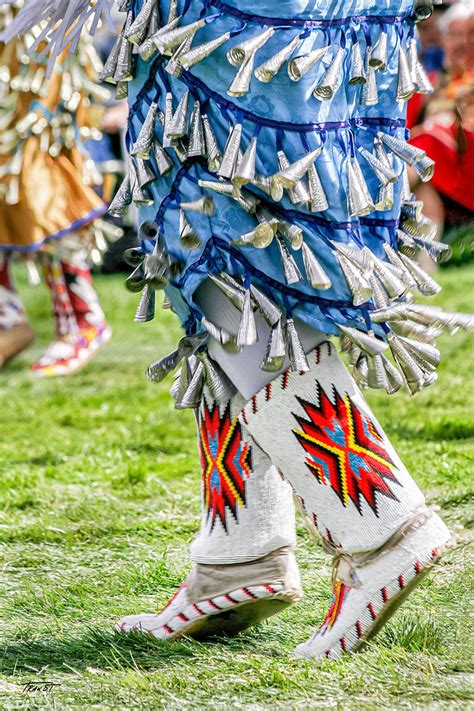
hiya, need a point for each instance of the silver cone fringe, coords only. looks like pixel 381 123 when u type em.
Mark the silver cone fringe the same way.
pixel 266 71
pixel 298 361
pixel 315 274
pixel 231 152
pixel 197 54
pixel 242 80
pixel 290 268
pixel 275 352
pixel 331 79
pixel 143 145
pixel 299 66
pixel 238 54
pixel 378 56
pixel 247 333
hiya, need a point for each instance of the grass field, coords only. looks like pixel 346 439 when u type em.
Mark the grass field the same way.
pixel 99 501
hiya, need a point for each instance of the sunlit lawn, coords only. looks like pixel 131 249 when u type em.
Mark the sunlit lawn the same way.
pixel 99 501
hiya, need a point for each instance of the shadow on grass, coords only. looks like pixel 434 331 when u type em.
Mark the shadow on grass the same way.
pixel 101 650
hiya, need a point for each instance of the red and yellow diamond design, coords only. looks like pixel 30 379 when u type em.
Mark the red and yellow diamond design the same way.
pixel 345 450
pixel 226 463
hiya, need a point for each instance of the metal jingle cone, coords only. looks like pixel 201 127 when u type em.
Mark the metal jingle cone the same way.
pixel 163 161
pixel 359 286
pixel 261 237
pixel 360 200
pixel 379 295
pixel 318 199
pixel 226 339
pixel 148 49
pixel 376 373
pixel 245 171
pixel 173 12
pixel 290 268
pixel 409 154
pixel 123 199
pixel 167 41
pixel 394 312
pixel 383 171
pixel 425 283
pixel 299 66
pixel 242 80
pixel 361 371
pixel 394 258
pixel 293 234
pixel 331 78
pixel 370 95
pixel 155 20
pixel 412 57
pixel 357 75
pixel 144 143
pixel 407 194
pixel 234 292
pixel 270 68
pixel 405 86
pixel 292 174
pixel 385 198
pixel 298 361
pixel 299 193
pixel 141 196
pixel 422 80
pixel 181 383
pixel 269 310
pixel 265 216
pixel 179 123
pixel 167 119
pixel 391 283
pixel 381 155
pixel 315 274
pixel 218 186
pixel 231 152
pixel 353 353
pixel 346 343
pixel 110 67
pixel 247 333
pixel 187 236
pixel 275 351
pixel 378 55
pixel 139 28
pixel 238 54
pixel 394 379
pixel 413 375
pixel 425 168
pixel 269 187
pixel 216 380
pixel 197 145
pixel 426 334
pixel 426 351
pixel 135 282
pixel 193 395
pixel 213 153
pixel 203 206
pixel 146 308
pixel 174 66
pixel 123 69
pixel 145 172
pixel 201 51
pixel 367 342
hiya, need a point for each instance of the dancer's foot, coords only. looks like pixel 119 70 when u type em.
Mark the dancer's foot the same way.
pixel 68 354
pixel 360 610
pixel 14 340
pixel 192 614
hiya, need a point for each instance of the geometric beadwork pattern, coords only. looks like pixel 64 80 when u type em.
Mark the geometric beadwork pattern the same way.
pixel 226 463
pixel 345 450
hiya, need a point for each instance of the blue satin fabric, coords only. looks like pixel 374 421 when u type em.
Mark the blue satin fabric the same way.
pixel 284 114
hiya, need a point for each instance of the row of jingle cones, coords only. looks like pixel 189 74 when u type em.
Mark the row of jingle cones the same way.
pixel 175 41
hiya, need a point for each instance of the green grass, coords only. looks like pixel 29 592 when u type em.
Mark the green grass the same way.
pixel 99 496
